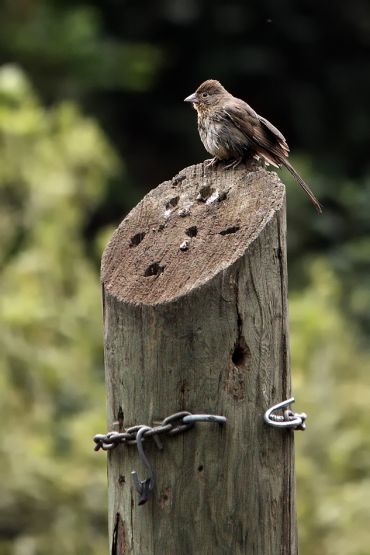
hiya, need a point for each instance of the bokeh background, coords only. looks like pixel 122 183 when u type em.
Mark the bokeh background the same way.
pixel 91 117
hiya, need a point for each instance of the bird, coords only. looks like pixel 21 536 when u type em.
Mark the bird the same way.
pixel 232 131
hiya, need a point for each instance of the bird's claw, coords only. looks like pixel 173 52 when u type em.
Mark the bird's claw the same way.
pixel 212 162
pixel 234 164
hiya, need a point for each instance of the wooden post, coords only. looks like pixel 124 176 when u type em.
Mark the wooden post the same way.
pixel 195 298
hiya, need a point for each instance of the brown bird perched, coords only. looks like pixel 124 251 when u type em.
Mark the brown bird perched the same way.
pixel 231 130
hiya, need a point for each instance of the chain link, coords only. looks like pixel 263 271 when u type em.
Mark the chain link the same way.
pixel 172 425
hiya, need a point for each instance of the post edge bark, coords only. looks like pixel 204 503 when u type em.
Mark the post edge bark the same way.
pixel 195 317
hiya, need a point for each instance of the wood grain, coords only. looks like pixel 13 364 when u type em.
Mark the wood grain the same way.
pixel 205 330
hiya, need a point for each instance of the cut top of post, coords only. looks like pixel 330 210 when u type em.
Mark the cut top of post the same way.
pixel 187 230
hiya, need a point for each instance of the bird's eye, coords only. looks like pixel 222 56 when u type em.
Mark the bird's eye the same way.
pixel 205 94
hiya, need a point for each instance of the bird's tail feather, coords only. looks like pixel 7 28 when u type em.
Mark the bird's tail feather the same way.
pixel 302 183
pixel 277 159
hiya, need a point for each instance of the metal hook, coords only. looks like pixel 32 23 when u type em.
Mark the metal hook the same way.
pixel 143 487
pixel 290 419
pixel 204 418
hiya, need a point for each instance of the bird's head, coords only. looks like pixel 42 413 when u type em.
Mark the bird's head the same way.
pixel 207 95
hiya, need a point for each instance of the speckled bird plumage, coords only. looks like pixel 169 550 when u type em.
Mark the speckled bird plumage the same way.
pixel 231 130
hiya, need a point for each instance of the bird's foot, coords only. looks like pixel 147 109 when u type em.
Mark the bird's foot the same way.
pixel 234 164
pixel 212 162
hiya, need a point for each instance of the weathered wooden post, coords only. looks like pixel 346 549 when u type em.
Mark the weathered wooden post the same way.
pixel 195 315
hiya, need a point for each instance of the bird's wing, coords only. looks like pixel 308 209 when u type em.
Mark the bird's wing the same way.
pixel 268 142
pixel 256 129
pixel 271 128
pixel 242 116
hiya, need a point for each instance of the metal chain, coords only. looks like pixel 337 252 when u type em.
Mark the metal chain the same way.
pixel 174 424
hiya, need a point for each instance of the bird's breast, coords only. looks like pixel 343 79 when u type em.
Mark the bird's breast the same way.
pixel 220 138
pixel 210 132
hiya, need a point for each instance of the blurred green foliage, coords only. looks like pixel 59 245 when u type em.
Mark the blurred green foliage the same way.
pixel 66 51
pixel 78 72
pixel 331 382
pixel 53 167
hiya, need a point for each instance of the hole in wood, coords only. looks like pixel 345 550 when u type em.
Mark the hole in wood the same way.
pixel 164 498
pixel 136 239
pixel 178 179
pixel 172 202
pixel 229 230
pixel 192 231
pixel 205 193
pixel 154 269
pixel 240 354
pixel 200 468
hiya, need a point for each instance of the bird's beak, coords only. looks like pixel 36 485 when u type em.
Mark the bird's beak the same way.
pixel 192 98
